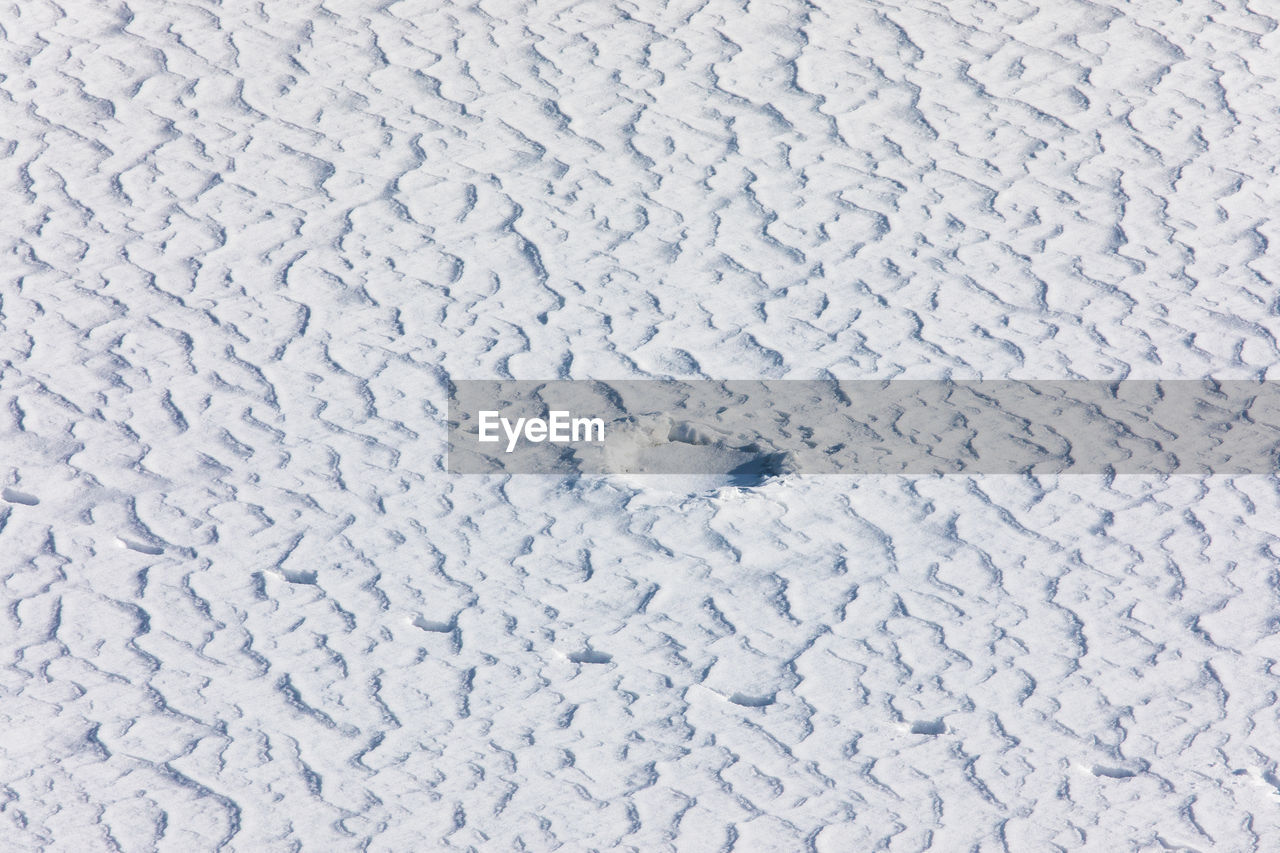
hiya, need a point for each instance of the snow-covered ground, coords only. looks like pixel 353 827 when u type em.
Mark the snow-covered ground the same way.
pixel 246 243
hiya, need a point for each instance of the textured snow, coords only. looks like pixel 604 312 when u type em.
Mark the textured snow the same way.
pixel 246 243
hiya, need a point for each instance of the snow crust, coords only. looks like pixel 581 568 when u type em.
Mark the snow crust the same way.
pixel 246 244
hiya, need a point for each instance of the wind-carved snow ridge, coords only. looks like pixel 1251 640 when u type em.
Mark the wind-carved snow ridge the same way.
pixel 247 246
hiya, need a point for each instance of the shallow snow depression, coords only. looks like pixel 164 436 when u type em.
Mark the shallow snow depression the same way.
pixel 249 245
pixel 679 455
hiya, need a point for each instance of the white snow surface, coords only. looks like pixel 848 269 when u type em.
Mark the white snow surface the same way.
pixel 245 243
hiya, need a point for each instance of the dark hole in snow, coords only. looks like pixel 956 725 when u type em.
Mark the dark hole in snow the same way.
pixel 758 470
pixel 751 701
pixel 295 576
pixel 13 496
pixel 928 727
pixel 590 657
pixel 433 626
pixel 1113 772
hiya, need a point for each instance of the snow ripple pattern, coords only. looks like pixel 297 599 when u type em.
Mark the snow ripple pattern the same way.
pixel 245 242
